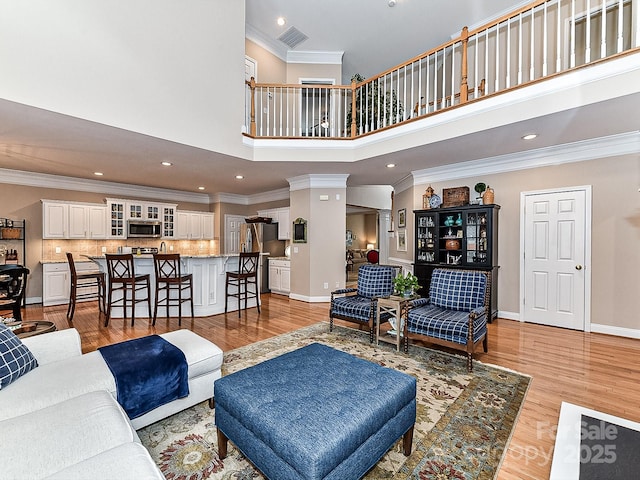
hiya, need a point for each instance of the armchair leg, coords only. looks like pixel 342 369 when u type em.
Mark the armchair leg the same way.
pixel 331 324
pixel 485 344
pixel 469 362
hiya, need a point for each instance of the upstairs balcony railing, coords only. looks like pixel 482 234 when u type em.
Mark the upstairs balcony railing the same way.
pixel 538 41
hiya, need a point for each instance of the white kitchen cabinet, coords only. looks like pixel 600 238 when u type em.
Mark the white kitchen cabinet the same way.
pixel 55 284
pixel 280 276
pixel 116 223
pixel 195 225
pixel 281 217
pixel 284 224
pixel 56 281
pixel 169 221
pixel 98 221
pixel 73 221
pixel 207 226
pixel 143 211
pixel 55 219
pixel 87 221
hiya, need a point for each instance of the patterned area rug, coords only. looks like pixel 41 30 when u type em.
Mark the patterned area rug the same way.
pixel 464 421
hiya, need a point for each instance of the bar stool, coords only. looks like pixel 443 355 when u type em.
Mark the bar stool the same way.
pixel 122 278
pixel 169 277
pixel 86 282
pixel 246 275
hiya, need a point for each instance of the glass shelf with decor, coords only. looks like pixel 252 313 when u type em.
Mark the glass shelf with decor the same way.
pixel 426 235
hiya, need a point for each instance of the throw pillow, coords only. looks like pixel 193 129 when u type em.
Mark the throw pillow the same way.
pixel 15 357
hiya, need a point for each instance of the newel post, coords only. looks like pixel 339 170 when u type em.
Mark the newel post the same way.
pixel 353 108
pixel 252 87
pixel 464 86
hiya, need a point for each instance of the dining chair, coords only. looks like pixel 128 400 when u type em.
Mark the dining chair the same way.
pixel 122 278
pixel 13 284
pixel 241 280
pixel 170 279
pixel 86 285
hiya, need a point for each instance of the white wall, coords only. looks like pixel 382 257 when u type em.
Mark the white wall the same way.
pixel 165 68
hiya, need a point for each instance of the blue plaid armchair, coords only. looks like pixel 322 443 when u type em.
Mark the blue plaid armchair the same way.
pixel 359 305
pixel 455 314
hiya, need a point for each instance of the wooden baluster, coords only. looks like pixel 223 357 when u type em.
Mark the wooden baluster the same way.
pixel 464 86
pixel 252 87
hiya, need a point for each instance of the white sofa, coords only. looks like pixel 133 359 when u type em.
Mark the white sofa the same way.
pixel 61 419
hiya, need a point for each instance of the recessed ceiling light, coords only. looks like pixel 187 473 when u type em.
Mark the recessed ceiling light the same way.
pixel 239 177
pixel 281 21
pixel 391 165
pixel 200 188
pixel 98 174
pixel 530 136
pixel 167 164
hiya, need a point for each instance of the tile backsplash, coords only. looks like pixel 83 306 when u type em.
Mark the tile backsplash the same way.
pixel 94 248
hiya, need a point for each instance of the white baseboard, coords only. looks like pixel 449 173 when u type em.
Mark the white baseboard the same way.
pixel 617 331
pixel 509 315
pixel 305 298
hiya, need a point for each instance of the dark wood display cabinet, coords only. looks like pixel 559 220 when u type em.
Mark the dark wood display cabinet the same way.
pixel 457 237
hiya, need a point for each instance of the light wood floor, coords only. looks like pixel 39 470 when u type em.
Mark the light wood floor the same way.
pixel 593 370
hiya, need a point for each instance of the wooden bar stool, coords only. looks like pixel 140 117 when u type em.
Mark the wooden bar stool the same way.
pixel 241 280
pixel 122 278
pixel 83 287
pixel 169 278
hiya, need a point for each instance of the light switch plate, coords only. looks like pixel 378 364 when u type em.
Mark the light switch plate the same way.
pixel 58 250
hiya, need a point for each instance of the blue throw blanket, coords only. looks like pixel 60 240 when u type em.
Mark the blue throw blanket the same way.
pixel 149 372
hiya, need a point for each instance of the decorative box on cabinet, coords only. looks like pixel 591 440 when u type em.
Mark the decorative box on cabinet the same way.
pixel 457 237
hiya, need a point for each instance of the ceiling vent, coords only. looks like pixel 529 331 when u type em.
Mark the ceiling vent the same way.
pixel 292 37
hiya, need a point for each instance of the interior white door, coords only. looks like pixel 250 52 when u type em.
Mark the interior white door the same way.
pixel 555 246
pixel 232 225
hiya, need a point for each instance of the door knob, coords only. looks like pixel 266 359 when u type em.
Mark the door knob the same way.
pixel 578 267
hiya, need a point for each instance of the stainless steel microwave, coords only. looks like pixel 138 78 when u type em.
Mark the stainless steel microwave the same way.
pixel 142 229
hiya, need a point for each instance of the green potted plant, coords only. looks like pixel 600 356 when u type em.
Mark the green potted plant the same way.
pixel 375 108
pixel 405 285
pixel 479 188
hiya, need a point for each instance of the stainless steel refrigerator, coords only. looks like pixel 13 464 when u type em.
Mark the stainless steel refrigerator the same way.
pixel 263 238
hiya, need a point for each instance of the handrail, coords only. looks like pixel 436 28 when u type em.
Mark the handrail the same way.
pixel 532 43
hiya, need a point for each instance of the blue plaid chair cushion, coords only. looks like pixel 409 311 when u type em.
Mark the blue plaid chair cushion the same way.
pixel 15 358
pixel 357 307
pixel 445 324
pixel 457 289
pixel 375 281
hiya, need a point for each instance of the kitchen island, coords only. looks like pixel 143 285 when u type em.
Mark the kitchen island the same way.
pixel 209 275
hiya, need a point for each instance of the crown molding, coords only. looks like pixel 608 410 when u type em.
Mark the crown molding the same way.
pixel 274 47
pixel 317 57
pixel 272 196
pixel 597 148
pixel 405 184
pixel 45 180
pixel 304 182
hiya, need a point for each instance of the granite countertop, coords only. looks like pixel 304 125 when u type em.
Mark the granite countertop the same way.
pixel 280 258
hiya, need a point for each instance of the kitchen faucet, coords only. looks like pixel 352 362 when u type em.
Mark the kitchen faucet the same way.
pixel 163 247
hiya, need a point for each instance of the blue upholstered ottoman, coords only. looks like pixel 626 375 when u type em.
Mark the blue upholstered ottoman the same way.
pixel 315 413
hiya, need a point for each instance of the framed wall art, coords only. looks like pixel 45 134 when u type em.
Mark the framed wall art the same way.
pixel 402 218
pixel 401 245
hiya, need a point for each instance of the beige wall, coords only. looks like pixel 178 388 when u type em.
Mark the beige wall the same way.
pixel 364 227
pixel 321 260
pixel 615 234
pixel 270 68
pixel 296 71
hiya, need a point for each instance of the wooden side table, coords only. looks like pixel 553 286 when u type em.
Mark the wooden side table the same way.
pixel 391 332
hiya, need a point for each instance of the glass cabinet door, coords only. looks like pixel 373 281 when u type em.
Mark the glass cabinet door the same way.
pixel 476 237
pixel 426 238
